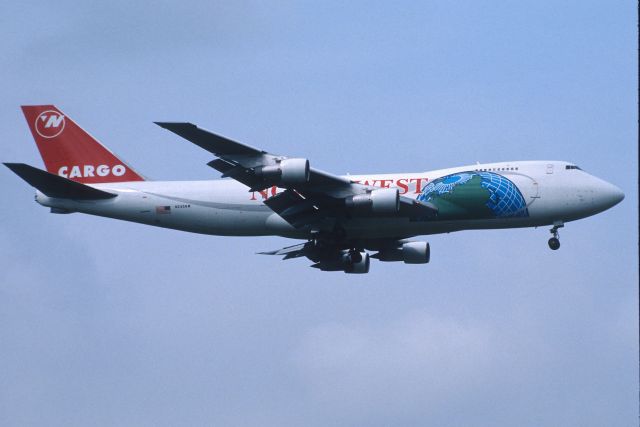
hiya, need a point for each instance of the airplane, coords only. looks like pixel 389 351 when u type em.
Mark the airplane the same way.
pixel 345 221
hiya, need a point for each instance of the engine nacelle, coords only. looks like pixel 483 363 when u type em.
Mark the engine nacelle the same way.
pixel 416 253
pixel 409 253
pixel 295 171
pixel 287 172
pixel 356 262
pixel 385 201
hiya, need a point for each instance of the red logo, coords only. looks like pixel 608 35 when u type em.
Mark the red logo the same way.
pixel 49 124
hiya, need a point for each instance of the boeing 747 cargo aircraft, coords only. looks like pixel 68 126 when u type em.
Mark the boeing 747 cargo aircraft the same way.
pixel 343 220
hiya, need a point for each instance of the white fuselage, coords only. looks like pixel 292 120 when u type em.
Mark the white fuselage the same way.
pixel 553 193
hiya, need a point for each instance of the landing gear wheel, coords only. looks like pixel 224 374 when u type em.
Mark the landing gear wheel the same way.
pixel 554 242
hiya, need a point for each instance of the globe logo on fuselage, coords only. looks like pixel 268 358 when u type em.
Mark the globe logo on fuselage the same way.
pixel 475 195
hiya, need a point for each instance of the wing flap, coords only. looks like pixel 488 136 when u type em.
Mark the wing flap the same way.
pixel 294 249
pixel 413 208
pixel 222 166
pixel 294 208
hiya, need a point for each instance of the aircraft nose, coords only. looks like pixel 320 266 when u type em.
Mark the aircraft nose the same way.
pixel 609 195
pixel 617 195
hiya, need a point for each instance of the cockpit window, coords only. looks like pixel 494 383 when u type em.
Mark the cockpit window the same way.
pixel 572 167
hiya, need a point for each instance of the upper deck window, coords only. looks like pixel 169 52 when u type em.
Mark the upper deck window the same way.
pixel 572 167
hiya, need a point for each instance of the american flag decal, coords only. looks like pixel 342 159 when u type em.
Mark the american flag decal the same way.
pixel 163 209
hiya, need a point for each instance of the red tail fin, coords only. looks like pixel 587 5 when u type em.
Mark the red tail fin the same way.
pixel 69 151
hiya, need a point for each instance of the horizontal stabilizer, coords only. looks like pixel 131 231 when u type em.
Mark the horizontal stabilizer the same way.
pixel 57 186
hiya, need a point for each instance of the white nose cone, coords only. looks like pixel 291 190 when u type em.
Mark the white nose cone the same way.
pixel 608 195
pixel 617 196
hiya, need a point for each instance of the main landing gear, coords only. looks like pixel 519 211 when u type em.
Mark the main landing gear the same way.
pixel 554 242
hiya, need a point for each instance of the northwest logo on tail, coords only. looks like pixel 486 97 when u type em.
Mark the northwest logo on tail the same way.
pixel 49 124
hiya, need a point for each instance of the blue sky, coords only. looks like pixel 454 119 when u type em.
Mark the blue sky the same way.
pixel 110 323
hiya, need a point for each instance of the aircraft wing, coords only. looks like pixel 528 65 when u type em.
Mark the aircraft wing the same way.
pixel 240 161
pixel 327 255
pixel 299 210
pixel 311 195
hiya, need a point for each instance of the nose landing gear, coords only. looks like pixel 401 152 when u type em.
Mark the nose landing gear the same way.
pixel 554 242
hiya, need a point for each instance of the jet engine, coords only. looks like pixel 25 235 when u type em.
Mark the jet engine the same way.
pixel 385 201
pixel 355 262
pixel 409 253
pixel 287 172
pixel 350 261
